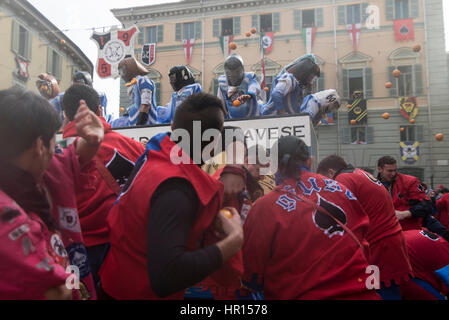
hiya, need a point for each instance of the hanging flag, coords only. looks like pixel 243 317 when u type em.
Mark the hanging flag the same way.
pixel 357 111
pixel 266 42
pixel 354 34
pixel 404 30
pixel 409 107
pixel 309 38
pixel 149 54
pixel 188 48
pixel 22 71
pixel 409 151
pixel 224 42
pixel 263 80
pixel 113 47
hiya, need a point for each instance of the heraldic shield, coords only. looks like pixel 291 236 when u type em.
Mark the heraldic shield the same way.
pixel 410 151
pixel 358 111
pixel 409 107
pixel 149 54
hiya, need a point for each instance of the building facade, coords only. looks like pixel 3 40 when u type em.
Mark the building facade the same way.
pixel 387 32
pixel 33 45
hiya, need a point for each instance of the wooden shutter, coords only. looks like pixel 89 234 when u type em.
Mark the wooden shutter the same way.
pixel 321 82
pixel 29 44
pixel 15 37
pixel 369 135
pixel 389 9
pixel 158 93
pixel 276 22
pixel 198 29
pixel 255 21
pixel 417 73
pixel 141 36
pixel 236 22
pixel 346 135
pixel 414 8
pixel 319 17
pixel 341 15
pixel 50 61
pixel 364 15
pixel 297 15
pixel 178 33
pixel 160 33
pixel 215 87
pixel 394 89
pixel 368 83
pixel 345 83
pixel 216 28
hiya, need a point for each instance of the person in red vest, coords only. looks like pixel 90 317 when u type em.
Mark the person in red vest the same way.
pixel 388 250
pixel 306 239
pixel 413 207
pixel 429 256
pixel 443 210
pixel 160 227
pixel 40 235
pixel 114 162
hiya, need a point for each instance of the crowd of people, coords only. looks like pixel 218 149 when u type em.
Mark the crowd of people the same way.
pixel 107 218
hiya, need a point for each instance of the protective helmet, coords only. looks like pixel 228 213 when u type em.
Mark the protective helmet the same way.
pixel 83 78
pixel 180 76
pixel 234 70
pixel 129 68
pixel 48 86
pixel 305 71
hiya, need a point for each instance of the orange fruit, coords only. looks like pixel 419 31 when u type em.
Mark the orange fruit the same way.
pixel 62 41
pixel 412 121
pixel 253 30
pixel 233 46
pixel 237 103
pixel 386 116
pixel 248 34
pixel 266 89
pixel 388 85
pixel 226 213
pixel 396 73
pixel 348 106
pixel 353 122
pixel 417 48
pixel 439 136
pixel 402 129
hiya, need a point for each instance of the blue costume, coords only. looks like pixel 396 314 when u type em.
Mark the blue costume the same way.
pixel 228 94
pixel 142 92
pixel 165 114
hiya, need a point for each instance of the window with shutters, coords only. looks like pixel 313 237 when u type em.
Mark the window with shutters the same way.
pixel 54 64
pixel 355 78
pixel 266 23
pixel 353 14
pixel 358 135
pixel 405 81
pixel 410 82
pixel 308 18
pixel 412 133
pixel 189 30
pixel 151 34
pixel 401 9
pixel 227 27
pixel 21 41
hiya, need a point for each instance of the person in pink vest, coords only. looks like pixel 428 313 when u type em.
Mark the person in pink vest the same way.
pixel 40 237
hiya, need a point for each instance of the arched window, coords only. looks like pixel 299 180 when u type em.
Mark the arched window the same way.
pixel 357 75
pixel 410 83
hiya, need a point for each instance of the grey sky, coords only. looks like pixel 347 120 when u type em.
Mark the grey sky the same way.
pixel 81 16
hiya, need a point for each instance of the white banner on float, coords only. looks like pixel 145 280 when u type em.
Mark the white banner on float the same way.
pixel 256 130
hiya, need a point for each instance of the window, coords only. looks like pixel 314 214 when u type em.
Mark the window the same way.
pixel 21 41
pixel 227 27
pixel 150 35
pixel 358 135
pixel 401 9
pixel 54 63
pixel 188 30
pixel 353 14
pixel 412 133
pixel 266 23
pixel 405 81
pixel 355 77
pixel 308 18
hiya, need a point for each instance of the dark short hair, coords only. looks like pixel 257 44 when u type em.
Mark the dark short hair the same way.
pixel 385 160
pixel 24 117
pixel 77 92
pixel 334 162
pixel 293 153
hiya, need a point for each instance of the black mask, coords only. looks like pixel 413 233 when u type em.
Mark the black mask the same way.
pixel 234 70
pixel 180 76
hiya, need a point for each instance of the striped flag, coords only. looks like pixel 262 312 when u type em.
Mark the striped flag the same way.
pixel 309 38
pixel 354 34
pixel 188 48
pixel 224 42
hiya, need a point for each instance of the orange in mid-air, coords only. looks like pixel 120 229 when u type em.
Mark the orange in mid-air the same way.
pixel 439 136
pixel 266 89
pixel 237 103
pixel 226 213
pixel 412 121
pixel 353 122
pixel 417 48
pixel 253 30
pixel 248 34
pixel 386 116
pixel 402 129
pixel 233 46
pixel 396 73
pixel 348 106
pixel 388 85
